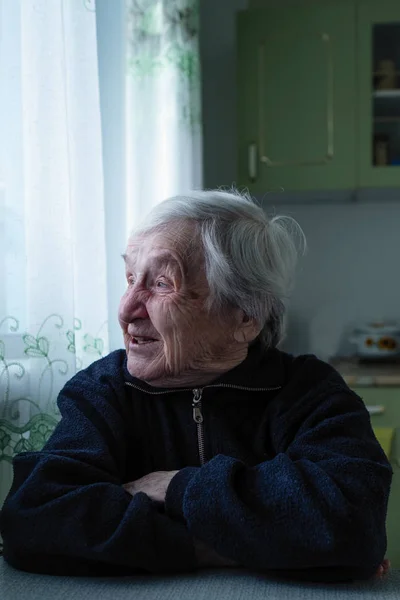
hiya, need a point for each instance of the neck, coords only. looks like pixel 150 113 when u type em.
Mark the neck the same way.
pixel 200 376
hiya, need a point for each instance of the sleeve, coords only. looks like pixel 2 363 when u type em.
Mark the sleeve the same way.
pixel 319 504
pixel 67 512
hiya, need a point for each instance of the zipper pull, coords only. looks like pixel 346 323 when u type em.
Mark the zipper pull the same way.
pixel 197 414
pixel 196 404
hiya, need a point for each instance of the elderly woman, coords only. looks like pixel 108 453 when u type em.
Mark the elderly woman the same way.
pixel 201 443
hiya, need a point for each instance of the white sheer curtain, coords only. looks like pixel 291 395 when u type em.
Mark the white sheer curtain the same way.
pixel 163 107
pixel 53 299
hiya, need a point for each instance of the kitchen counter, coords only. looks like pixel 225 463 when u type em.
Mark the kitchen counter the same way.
pixel 361 373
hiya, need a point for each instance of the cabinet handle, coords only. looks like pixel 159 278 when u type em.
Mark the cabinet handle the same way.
pixel 252 161
pixel 375 409
pixel 330 125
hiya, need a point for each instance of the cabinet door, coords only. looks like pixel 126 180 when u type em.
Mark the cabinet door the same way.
pixel 378 63
pixel 390 399
pixel 296 98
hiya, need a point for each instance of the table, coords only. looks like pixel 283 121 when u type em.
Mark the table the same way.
pixel 228 584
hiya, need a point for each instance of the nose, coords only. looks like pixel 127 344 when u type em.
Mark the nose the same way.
pixel 133 304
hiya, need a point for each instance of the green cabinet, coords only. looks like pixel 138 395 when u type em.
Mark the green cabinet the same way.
pixel 390 399
pixel 378 96
pixel 309 116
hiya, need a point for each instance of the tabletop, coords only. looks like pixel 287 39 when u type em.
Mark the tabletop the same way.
pixel 229 584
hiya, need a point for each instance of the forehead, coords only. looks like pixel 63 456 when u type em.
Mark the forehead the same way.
pixel 174 242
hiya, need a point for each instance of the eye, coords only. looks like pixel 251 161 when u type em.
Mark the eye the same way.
pixel 162 285
pixel 130 279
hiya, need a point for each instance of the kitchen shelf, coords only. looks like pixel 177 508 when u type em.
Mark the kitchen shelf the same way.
pixel 386 104
pixel 389 94
pixel 387 119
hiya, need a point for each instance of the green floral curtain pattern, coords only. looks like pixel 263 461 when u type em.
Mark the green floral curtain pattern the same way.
pixel 163 35
pixel 54 287
pixel 29 385
pixel 90 5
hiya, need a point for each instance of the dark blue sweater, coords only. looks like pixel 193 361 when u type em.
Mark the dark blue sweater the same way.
pixel 294 480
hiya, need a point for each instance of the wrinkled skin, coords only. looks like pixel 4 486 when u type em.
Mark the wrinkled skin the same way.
pixel 154 485
pixel 165 300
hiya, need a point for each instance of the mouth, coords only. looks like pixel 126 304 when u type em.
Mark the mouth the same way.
pixel 141 340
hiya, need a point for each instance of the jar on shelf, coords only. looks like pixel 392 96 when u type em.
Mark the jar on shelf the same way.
pixel 381 149
pixel 386 75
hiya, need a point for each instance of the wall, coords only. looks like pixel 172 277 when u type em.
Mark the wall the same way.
pixel 351 270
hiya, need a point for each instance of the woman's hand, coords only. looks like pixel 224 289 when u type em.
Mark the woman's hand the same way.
pixel 383 569
pixel 154 485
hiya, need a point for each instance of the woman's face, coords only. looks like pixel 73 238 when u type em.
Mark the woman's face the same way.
pixel 170 338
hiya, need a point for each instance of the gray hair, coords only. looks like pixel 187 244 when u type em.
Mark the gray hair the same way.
pixel 250 259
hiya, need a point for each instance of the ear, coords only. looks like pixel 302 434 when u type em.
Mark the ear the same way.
pixel 247 329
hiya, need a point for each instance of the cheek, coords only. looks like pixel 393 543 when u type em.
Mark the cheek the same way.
pixel 172 316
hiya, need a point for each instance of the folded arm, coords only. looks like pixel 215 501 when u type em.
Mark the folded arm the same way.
pixel 155 486
pixel 68 512
pixel 319 504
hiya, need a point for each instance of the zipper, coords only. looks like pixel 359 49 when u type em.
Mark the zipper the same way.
pixel 157 393
pixel 242 387
pixel 197 405
pixel 212 385
pixel 199 420
pixel 198 414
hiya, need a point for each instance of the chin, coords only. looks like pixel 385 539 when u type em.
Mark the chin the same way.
pixel 145 372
